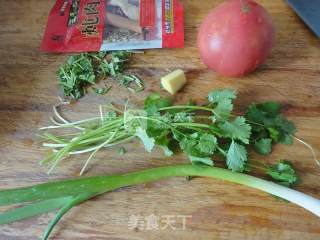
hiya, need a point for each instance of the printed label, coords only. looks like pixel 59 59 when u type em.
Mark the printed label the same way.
pixel 147 13
pixel 169 17
pixel 91 19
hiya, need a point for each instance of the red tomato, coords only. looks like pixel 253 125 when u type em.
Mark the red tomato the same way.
pixel 236 37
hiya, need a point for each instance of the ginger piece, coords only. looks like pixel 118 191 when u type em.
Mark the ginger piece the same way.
pixel 174 81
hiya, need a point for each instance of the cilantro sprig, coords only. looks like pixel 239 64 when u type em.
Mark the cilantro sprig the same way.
pixel 268 127
pixel 204 133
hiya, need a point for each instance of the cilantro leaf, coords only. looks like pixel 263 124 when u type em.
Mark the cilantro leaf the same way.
pixel 222 101
pixel 224 108
pixel 219 95
pixel 198 147
pixel 283 173
pixel 236 157
pixel 188 145
pixel 263 146
pixel 259 112
pixel 154 101
pixel 147 141
pixel 202 160
pixel 286 130
pixel 286 139
pixel 207 143
pixel 238 129
pixel 274 134
pixel 268 123
pixel 267 115
pixel 183 117
pixel 162 139
pixel 256 116
pixel 272 109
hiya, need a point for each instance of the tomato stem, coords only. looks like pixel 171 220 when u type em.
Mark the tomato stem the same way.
pixel 245 8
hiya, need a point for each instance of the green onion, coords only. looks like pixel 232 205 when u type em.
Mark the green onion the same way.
pixel 67 194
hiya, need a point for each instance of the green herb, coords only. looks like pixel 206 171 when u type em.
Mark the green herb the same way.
pixel 102 91
pixel 222 100
pixel 237 157
pixel 86 69
pixel 237 129
pixel 283 173
pixel 117 63
pixel 76 74
pixel 122 151
pixel 202 133
pixel 64 195
pixel 128 80
pixel 147 141
pixel 263 146
pixel 161 124
pixel 268 126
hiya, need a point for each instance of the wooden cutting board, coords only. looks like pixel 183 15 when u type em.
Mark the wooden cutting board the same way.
pixel 218 210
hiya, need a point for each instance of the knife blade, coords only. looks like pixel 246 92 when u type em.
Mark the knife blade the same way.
pixel 309 11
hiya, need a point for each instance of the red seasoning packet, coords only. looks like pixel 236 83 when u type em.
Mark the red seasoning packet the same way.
pixel 103 25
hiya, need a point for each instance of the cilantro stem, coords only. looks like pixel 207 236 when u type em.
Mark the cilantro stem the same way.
pixel 96 150
pixel 188 107
pixel 258 163
pixel 222 151
pixel 71 124
pixel 199 125
pixel 80 144
pixel 162 122
pixel 255 123
pixel 257 167
pixel 310 147
pixel 109 139
pixel 204 109
pixel 123 140
pixel 113 108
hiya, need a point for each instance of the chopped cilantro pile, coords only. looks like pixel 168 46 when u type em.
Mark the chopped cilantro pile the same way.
pixel 86 69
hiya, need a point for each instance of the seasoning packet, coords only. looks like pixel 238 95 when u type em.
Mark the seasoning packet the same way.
pixel 103 25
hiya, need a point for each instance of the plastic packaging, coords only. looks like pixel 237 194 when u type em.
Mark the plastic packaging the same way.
pixel 103 25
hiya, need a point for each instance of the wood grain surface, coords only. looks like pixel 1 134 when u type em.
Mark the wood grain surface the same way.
pixel 219 210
